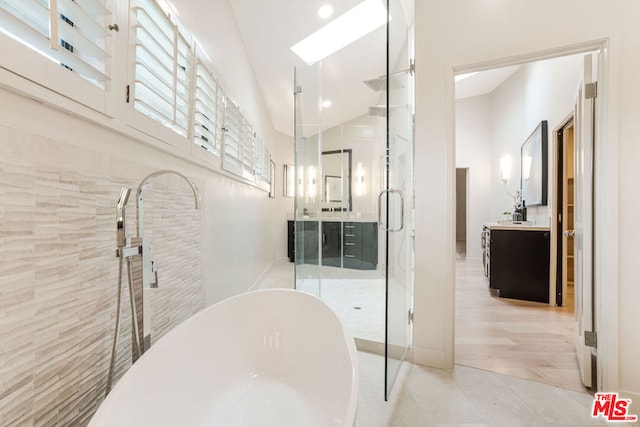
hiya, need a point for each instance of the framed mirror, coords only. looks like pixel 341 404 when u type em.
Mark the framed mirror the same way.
pixel 336 180
pixel 534 163
pixel 272 182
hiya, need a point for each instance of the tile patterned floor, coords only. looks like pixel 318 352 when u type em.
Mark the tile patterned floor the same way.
pixel 463 396
pixel 425 397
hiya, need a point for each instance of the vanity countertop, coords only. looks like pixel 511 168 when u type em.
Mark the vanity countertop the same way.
pixel 333 219
pixel 516 226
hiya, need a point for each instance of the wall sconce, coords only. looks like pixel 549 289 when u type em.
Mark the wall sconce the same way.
pixel 526 167
pixel 505 168
pixel 311 191
pixel 359 180
pixel 300 179
pixel 289 181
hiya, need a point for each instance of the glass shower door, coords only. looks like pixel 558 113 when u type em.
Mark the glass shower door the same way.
pixel 308 169
pixel 354 193
pixel 396 200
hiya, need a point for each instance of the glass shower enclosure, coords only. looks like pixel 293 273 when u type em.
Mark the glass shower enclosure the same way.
pixel 354 199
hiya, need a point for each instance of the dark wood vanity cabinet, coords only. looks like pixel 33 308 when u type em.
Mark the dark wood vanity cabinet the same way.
pixel 291 240
pixel 303 237
pixel 519 263
pixel 360 245
pixel 344 244
pixel 331 239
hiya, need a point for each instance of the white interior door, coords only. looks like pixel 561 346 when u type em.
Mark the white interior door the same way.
pixel 583 225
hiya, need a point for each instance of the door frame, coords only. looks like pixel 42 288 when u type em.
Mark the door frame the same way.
pixel 556 234
pixel 605 201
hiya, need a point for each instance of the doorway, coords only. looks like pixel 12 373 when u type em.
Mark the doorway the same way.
pixel 489 341
pixel 461 213
pixel 564 286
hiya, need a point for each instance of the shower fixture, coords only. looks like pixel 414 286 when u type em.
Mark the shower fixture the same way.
pixel 122 201
pixel 381 110
pixel 149 267
pixel 137 249
pixel 123 252
pixel 380 84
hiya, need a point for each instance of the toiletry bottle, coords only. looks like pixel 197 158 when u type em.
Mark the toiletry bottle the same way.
pixel 523 211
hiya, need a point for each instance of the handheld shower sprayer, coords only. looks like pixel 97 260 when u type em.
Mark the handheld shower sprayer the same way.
pixel 120 220
pixel 139 249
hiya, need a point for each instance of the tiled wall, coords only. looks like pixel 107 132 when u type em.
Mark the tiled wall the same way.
pixel 58 273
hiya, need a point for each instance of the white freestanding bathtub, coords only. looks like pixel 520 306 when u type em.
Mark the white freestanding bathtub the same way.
pixel 274 357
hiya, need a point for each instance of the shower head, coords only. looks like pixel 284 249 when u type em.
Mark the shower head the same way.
pixel 380 84
pixel 122 201
pixel 124 197
pixel 381 110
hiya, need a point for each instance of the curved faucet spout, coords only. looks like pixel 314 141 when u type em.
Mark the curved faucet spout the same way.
pixel 151 176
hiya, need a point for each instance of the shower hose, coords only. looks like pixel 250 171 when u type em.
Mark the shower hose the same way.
pixel 134 318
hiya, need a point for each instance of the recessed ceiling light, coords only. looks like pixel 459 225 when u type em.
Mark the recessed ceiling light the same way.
pixel 342 31
pixel 326 103
pixel 325 11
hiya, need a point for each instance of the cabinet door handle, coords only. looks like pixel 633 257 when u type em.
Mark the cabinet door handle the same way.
pixel 570 233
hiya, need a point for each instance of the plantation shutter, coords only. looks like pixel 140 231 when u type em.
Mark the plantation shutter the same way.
pixel 247 149
pixel 232 122
pixel 71 33
pixel 208 113
pixel 263 166
pixel 163 60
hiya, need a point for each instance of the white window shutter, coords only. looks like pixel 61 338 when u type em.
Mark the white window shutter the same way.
pixel 208 120
pixel 247 149
pixel 163 60
pixel 232 160
pixel 74 34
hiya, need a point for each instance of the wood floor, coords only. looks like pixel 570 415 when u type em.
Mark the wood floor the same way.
pixel 523 339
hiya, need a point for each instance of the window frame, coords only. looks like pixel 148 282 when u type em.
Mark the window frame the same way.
pixel 111 107
pixel 39 70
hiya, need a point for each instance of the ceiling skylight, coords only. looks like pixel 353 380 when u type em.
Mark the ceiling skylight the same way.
pixel 342 31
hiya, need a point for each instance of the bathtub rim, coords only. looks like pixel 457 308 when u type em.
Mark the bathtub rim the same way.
pixel 348 338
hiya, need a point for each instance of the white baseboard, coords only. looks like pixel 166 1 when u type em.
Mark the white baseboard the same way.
pixel 431 358
pixel 258 281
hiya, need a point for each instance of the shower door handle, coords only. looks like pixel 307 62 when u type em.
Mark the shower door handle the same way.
pixel 391 191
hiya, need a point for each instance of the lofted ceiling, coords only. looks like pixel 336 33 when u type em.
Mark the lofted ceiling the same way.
pixel 268 28
pixel 484 82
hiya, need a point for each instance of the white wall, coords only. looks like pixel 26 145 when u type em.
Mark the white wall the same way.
pixel 460 34
pixel 491 126
pixel 542 90
pixel 240 233
pixel 473 151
